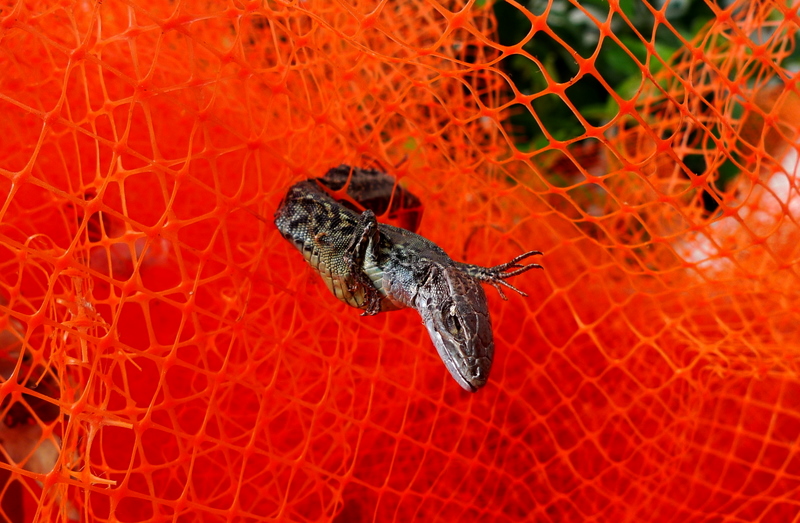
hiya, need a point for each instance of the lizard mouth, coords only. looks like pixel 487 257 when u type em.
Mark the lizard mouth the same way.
pixel 477 376
pixel 469 372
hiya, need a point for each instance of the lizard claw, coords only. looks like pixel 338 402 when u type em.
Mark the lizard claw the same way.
pixel 373 300
pixel 497 275
pixel 363 244
pixel 359 280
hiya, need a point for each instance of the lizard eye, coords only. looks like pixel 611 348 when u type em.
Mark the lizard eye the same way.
pixel 453 325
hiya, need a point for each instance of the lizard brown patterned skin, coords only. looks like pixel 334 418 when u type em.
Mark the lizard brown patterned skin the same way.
pixel 379 267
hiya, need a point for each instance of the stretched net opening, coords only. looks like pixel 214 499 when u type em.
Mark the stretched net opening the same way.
pixel 165 354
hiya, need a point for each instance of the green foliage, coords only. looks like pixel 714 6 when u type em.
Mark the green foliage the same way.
pixel 619 57
pixel 620 64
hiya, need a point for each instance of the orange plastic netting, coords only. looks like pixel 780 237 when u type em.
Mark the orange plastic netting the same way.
pixel 167 355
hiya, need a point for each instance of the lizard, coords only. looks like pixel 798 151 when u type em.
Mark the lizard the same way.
pixel 378 267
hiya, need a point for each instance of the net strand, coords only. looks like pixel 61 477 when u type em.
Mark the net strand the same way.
pixel 167 355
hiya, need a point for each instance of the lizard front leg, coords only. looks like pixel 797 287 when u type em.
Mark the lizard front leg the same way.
pixel 366 238
pixel 497 276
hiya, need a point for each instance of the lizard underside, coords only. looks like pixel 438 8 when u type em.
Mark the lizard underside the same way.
pixel 379 267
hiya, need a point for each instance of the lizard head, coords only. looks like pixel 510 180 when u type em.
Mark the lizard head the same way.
pixel 453 308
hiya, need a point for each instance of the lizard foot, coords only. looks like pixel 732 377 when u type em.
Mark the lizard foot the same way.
pixel 359 280
pixel 363 242
pixel 497 275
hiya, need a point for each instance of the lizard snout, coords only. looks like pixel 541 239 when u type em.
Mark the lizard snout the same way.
pixel 453 308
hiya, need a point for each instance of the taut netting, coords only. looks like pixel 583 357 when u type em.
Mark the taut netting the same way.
pixel 168 356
